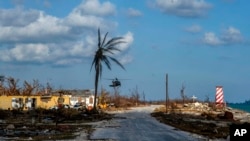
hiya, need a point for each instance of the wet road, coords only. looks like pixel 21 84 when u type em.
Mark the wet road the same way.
pixel 138 125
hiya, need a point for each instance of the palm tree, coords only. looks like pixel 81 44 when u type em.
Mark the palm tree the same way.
pixel 102 55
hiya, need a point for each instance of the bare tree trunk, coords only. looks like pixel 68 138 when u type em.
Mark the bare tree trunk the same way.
pixel 96 86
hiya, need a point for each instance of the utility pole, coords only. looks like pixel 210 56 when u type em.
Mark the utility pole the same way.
pixel 167 98
pixel 2 77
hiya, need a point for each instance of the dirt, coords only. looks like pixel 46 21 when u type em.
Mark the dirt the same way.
pixel 198 124
pixel 48 124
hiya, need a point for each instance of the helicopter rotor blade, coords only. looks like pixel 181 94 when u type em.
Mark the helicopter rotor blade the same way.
pixel 115 79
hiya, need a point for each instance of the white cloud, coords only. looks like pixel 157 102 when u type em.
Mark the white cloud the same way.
pixel 232 35
pixel 194 29
pixel 184 8
pixel 128 39
pixel 36 37
pixel 37 30
pixel 84 48
pixel 89 14
pixel 30 52
pixel 211 39
pixel 88 21
pixel 94 7
pixel 126 59
pixel 65 62
pixel 20 16
pixel 229 36
pixel 134 13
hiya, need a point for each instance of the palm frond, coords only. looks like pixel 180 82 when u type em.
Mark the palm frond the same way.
pixel 106 61
pixel 114 44
pixel 114 40
pixel 99 38
pixel 117 62
pixel 104 39
pixel 111 50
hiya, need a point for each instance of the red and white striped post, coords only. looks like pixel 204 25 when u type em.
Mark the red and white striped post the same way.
pixel 219 97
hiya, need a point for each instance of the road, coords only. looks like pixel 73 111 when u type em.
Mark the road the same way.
pixel 137 125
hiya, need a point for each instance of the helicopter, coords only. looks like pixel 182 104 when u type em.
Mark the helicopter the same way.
pixel 115 83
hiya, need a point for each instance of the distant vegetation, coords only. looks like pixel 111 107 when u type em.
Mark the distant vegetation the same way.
pixel 10 86
pixel 247 102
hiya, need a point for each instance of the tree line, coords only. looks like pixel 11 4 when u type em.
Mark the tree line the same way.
pixel 10 86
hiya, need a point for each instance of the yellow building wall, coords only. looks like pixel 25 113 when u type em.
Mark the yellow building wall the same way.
pixel 41 101
pixel 5 102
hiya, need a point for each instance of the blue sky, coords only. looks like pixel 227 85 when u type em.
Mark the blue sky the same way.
pixel 199 43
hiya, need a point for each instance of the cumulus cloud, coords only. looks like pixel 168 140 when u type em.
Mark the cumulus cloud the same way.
pixel 184 8
pixel 37 30
pixel 21 17
pixel 211 39
pixel 36 37
pixel 94 7
pixel 229 36
pixel 90 14
pixel 128 39
pixel 133 12
pixel 232 35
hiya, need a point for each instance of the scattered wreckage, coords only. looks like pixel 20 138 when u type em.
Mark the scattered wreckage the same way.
pixel 44 123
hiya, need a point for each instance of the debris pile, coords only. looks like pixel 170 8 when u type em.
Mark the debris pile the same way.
pixel 210 112
pixel 197 106
pixel 202 118
pixel 240 116
pixel 48 124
